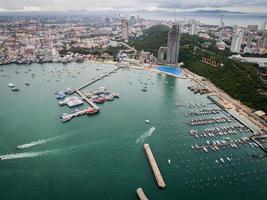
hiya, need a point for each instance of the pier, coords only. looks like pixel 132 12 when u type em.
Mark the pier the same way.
pixel 256 138
pixel 141 194
pixel 97 79
pixel 154 166
pixel 92 104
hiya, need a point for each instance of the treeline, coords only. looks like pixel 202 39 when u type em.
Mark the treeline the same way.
pixel 240 80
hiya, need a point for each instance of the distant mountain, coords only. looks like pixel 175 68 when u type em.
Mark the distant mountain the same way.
pixel 207 12
pixel 216 12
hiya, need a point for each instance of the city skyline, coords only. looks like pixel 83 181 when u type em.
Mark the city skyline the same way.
pixel 256 6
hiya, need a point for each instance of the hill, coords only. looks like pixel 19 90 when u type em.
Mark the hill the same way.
pixel 239 80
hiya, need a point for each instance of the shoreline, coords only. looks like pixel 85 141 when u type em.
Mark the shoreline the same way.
pixel 232 106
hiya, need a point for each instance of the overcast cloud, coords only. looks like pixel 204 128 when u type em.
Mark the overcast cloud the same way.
pixel 60 5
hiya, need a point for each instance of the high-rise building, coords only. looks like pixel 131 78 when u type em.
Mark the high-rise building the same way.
pixel 170 54
pixel 221 22
pixel 132 20
pixel 253 27
pixel 264 43
pixel 263 25
pixel 249 39
pixel 173 45
pixel 107 21
pixel 194 30
pixel 125 30
pixel 236 41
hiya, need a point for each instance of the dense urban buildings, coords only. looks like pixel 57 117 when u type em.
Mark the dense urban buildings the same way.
pixel 66 39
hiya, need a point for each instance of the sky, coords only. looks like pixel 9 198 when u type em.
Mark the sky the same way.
pixel 132 5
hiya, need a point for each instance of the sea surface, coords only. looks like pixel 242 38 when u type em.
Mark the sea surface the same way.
pixel 229 19
pixel 101 157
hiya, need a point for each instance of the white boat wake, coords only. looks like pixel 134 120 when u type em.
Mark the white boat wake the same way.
pixel 25 146
pixel 38 142
pixel 147 134
pixel 23 155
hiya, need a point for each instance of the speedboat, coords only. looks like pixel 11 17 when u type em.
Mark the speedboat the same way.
pixel 11 85
pixel 100 100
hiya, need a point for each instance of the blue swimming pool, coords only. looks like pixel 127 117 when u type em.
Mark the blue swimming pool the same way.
pixel 171 70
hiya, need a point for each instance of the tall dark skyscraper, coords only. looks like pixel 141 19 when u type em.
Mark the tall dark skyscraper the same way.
pixel 170 54
pixel 173 45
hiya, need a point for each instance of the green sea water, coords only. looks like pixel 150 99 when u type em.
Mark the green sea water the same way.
pixel 98 157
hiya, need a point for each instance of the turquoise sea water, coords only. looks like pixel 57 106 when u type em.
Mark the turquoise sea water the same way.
pixel 97 157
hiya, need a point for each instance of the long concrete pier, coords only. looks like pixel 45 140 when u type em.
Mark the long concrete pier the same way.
pixel 92 104
pixel 97 79
pixel 154 166
pixel 141 194
pixel 254 139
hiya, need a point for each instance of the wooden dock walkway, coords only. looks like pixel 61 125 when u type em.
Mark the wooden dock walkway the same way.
pixel 92 104
pixel 154 166
pixel 97 79
pixel 141 194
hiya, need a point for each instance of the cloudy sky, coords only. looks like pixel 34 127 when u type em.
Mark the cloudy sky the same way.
pixel 179 5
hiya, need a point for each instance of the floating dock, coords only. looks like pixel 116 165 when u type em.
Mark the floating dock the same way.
pixel 141 194
pixel 97 79
pixel 154 166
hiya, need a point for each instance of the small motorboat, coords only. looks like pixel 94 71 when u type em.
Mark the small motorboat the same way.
pixel 14 89
pixel 11 85
pixel 144 90
pixel 147 121
pixel 169 161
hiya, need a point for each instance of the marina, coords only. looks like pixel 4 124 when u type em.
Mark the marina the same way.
pixel 219 131
pixel 215 145
pixel 214 120
pixel 213 111
pixel 104 148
